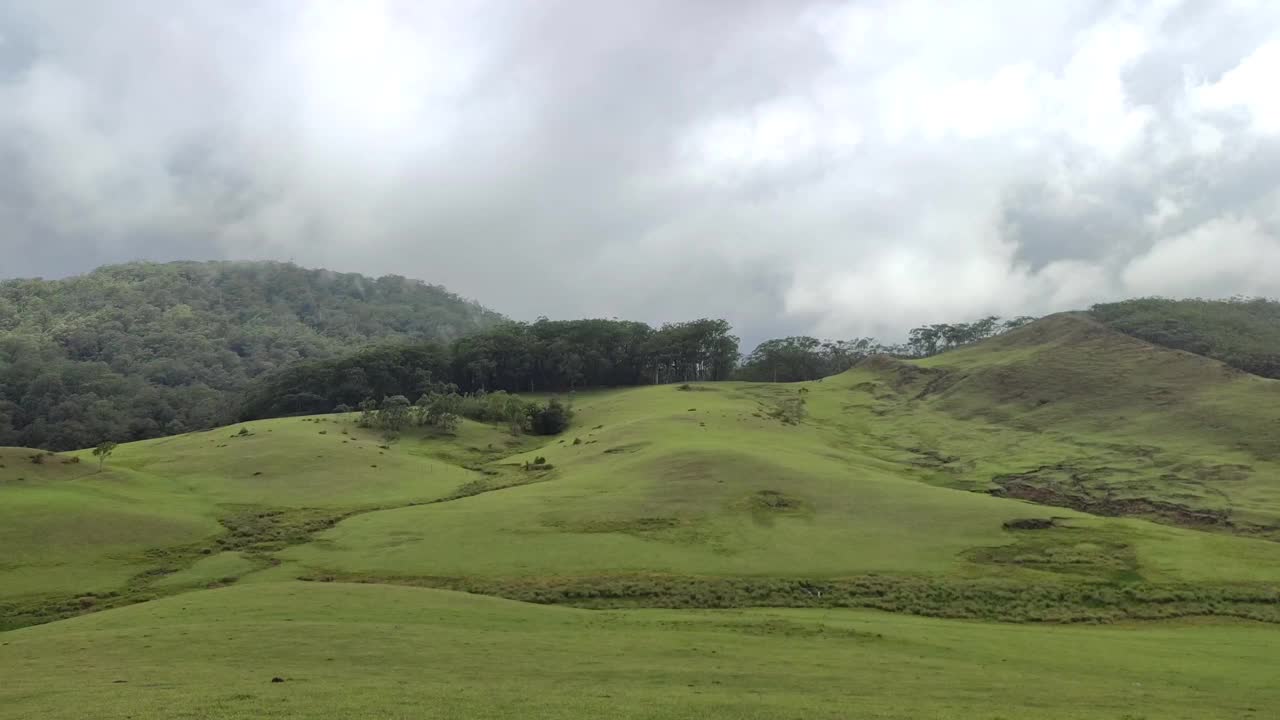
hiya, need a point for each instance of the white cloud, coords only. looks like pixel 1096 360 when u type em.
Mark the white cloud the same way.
pixel 1249 87
pixel 1230 252
pixel 812 167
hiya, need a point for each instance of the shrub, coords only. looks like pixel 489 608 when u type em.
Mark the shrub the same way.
pixel 343 408
pixel 552 419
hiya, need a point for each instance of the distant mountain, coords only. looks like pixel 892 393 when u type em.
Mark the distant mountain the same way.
pixel 135 351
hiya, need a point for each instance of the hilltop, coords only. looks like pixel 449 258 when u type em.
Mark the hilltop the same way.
pixel 135 351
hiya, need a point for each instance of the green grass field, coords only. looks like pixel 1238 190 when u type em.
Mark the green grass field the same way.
pixel 348 651
pixel 1061 473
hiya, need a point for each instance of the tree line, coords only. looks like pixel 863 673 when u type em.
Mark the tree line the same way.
pixel 543 356
pixel 802 357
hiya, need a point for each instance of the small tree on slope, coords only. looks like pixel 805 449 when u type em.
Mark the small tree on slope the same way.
pixel 103 451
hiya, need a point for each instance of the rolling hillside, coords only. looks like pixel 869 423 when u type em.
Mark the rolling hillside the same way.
pixel 1062 472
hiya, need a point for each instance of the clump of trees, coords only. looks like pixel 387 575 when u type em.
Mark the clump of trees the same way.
pixel 801 357
pixel 445 408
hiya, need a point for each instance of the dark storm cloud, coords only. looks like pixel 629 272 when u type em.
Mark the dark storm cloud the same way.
pixel 836 168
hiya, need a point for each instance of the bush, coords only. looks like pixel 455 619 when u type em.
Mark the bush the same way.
pixel 552 419
pixel 343 408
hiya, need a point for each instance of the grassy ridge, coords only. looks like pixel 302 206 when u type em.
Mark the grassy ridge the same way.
pixel 1095 417
pixel 1243 333
pixel 356 651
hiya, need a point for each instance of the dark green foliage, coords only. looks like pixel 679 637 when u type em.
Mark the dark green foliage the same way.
pixel 321 386
pixel 106 447
pixel 1243 333
pixel 444 410
pixel 142 350
pixel 563 355
pixel 513 357
pixel 552 419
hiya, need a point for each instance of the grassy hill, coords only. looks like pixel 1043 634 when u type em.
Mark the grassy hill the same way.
pixel 1244 333
pixel 135 351
pixel 1062 472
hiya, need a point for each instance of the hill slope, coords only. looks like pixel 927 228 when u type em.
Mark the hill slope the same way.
pixel 344 651
pixel 1242 333
pixel 898 486
pixel 1070 412
pixel 142 350
pixel 1062 472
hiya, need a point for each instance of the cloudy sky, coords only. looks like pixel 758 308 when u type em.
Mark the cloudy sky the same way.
pixel 831 168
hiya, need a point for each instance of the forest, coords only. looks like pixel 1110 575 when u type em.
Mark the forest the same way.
pixel 543 356
pixel 135 351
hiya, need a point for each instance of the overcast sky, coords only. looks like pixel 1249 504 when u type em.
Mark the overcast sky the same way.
pixel 830 168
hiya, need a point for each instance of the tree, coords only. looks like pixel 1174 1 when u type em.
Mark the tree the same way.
pixel 103 451
pixel 395 412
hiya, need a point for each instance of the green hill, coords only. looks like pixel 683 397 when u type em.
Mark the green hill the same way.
pixel 135 351
pixel 1244 333
pixel 1061 472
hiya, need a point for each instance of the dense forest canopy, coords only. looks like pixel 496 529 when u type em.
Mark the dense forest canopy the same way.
pixel 1241 332
pixel 140 350
pixel 542 356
